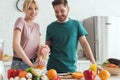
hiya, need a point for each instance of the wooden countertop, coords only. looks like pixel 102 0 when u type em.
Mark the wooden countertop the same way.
pixel 112 77
pixel 97 78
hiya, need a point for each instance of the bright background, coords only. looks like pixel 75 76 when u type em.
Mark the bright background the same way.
pixel 80 9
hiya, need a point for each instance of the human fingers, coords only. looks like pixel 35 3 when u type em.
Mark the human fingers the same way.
pixel 45 51
pixel 42 63
pixel 34 65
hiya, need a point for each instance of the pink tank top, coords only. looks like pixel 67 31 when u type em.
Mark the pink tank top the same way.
pixel 30 35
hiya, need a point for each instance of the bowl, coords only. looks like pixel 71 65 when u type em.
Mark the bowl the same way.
pixel 113 71
pixel 6 59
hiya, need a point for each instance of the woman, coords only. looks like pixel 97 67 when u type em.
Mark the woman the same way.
pixel 26 39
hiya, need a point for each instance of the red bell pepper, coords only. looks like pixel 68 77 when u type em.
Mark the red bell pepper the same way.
pixel 17 72
pixel 10 73
pixel 89 75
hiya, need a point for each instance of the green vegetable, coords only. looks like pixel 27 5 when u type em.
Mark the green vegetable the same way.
pixel 36 78
pixel 36 72
pixel 69 73
pixel 29 69
pixel 106 62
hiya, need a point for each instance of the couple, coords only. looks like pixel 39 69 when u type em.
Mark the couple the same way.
pixel 62 38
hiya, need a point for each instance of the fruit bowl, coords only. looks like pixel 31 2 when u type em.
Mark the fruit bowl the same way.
pixel 6 57
pixel 113 71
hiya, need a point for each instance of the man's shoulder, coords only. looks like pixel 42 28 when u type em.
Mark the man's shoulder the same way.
pixel 52 23
pixel 74 20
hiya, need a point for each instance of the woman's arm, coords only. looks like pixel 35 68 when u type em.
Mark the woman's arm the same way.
pixel 19 50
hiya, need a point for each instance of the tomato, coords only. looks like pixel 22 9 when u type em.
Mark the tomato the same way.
pixel 57 78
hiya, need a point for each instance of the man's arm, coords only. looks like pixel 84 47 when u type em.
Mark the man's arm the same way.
pixel 85 45
pixel 49 43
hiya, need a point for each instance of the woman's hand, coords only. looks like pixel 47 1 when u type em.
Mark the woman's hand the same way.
pixel 35 65
pixel 41 62
pixel 44 50
pixel 42 55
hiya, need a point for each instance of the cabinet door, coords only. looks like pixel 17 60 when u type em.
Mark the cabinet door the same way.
pixel 7 65
pixel 89 24
pixel 83 65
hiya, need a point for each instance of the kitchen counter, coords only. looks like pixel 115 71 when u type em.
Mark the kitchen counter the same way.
pixel 7 65
pixel 113 77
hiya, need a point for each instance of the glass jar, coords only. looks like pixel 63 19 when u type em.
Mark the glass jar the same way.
pixel 1 48
pixel 2 70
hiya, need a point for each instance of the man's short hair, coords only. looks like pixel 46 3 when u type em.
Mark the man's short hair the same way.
pixel 57 2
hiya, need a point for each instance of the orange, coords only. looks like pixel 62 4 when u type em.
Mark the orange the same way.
pixel 1 52
pixel 22 74
pixel 77 75
pixel 51 74
pixel 104 75
pixel 41 67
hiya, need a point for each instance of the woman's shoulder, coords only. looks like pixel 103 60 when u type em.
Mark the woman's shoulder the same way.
pixel 20 19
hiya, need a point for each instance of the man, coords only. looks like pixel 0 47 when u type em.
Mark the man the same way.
pixel 62 37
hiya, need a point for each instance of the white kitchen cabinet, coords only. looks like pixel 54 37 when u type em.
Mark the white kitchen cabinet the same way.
pixel 7 65
pixel 103 36
pixel 83 65
pixel 2 71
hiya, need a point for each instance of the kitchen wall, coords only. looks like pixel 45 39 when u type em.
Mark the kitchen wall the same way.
pixel 80 9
